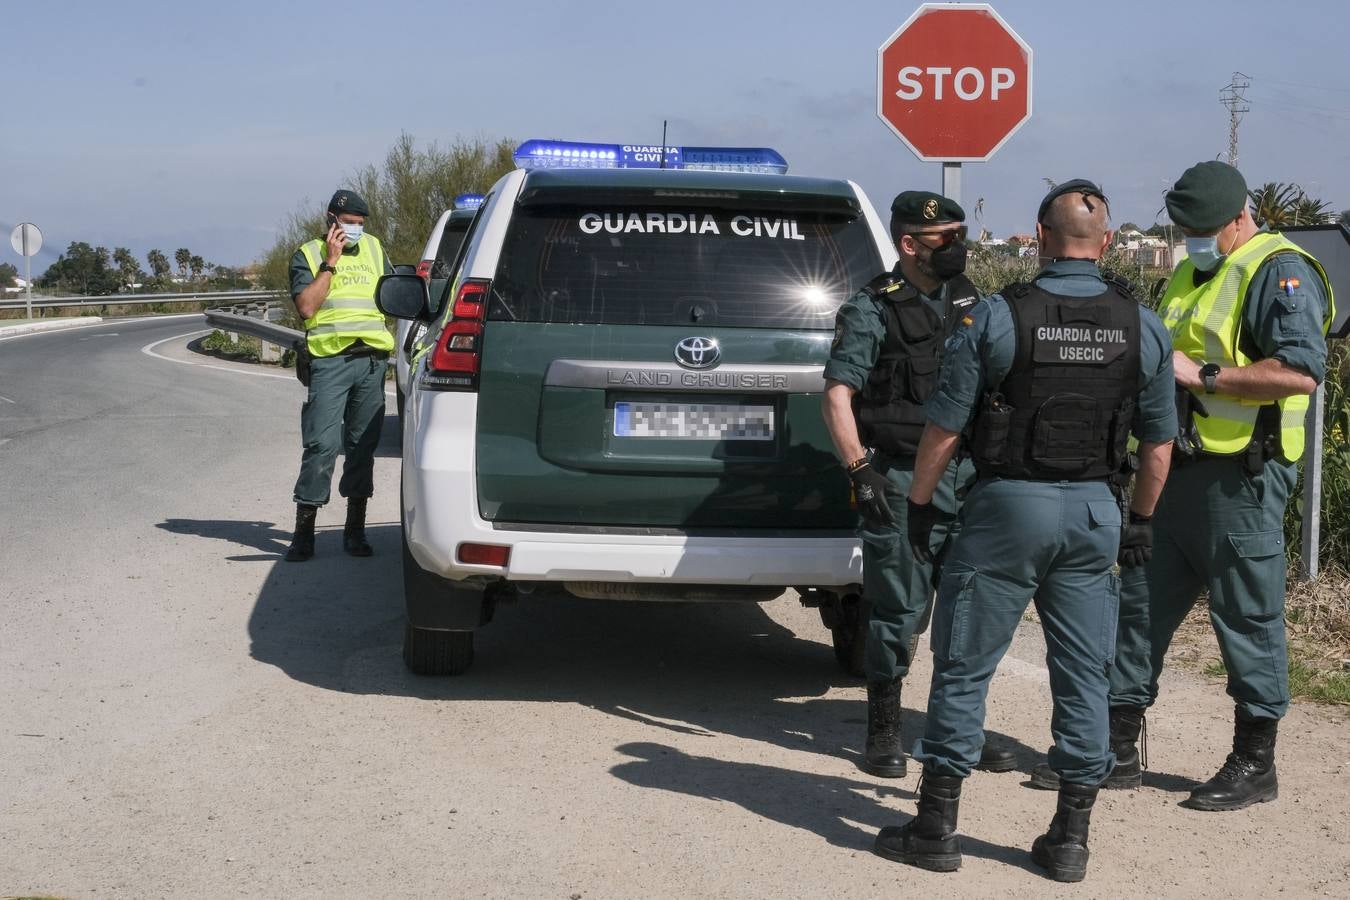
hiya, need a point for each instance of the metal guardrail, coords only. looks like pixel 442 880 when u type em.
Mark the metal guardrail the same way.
pixel 260 328
pixel 146 299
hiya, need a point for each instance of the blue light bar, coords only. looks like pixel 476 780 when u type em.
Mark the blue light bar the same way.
pixel 539 154
pixel 468 201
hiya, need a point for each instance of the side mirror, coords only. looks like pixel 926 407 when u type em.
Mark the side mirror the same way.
pixel 402 296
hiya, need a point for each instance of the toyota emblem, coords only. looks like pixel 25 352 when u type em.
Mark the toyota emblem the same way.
pixel 698 353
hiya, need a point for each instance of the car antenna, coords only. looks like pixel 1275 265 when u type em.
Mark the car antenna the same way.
pixel 663 143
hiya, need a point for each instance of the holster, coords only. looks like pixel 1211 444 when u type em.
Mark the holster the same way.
pixel 1188 446
pixel 303 361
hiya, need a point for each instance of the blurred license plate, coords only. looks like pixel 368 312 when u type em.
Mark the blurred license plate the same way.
pixel 694 421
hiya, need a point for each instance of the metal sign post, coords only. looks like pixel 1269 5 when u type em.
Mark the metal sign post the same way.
pixel 26 240
pixel 1312 485
pixel 951 181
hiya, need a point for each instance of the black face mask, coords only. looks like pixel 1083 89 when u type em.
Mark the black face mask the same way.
pixel 949 261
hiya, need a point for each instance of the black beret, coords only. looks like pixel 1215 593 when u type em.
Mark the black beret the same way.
pixel 1207 196
pixel 924 208
pixel 1075 186
pixel 345 201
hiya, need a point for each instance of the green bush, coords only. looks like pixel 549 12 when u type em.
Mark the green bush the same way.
pixel 247 348
pixel 1334 540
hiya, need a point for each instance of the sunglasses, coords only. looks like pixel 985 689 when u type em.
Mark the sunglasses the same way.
pixel 943 237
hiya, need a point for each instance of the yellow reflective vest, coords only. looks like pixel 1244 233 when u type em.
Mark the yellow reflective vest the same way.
pixel 348 312
pixel 1205 322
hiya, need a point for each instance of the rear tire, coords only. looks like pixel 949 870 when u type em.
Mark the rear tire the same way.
pixel 428 652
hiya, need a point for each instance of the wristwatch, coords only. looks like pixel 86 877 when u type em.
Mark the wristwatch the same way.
pixel 325 267
pixel 1209 372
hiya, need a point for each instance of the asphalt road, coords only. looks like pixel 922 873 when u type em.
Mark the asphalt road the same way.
pixel 183 714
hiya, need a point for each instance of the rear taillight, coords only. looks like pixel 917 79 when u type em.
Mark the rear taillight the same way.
pixel 424 268
pixel 455 361
pixel 484 554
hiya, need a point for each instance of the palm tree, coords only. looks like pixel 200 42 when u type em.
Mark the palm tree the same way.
pixel 1307 210
pixel 1271 203
pixel 182 256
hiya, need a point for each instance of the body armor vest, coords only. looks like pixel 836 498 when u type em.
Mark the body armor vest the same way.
pixel 889 408
pixel 1064 410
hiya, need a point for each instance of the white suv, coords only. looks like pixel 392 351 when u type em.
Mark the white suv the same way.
pixel 622 397
pixel 438 259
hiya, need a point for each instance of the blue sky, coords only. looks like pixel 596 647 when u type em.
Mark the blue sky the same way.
pixel 172 124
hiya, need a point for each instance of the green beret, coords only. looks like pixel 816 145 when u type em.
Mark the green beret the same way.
pixel 1081 186
pixel 345 201
pixel 924 208
pixel 1207 196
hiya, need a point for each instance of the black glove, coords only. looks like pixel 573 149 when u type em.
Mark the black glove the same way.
pixel 869 489
pixel 1136 542
pixel 923 517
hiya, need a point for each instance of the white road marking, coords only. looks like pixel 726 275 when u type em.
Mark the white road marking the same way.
pixel 97 336
pixel 149 350
pixel 6 399
pixel 4 441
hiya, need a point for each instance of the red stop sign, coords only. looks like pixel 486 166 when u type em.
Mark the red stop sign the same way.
pixel 954 82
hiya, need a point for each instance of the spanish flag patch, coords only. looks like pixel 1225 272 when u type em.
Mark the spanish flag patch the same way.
pixel 1289 285
pixel 967 320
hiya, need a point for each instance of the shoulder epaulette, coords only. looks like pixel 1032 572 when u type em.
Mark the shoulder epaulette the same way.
pixel 883 284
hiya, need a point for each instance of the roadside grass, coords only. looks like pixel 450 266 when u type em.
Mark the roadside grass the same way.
pixel 1317 616
pixel 246 349
pixel 1305 682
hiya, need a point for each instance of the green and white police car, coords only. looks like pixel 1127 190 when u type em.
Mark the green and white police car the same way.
pixel 622 397
pixel 438 258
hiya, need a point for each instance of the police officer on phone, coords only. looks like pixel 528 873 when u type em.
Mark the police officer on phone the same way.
pixel 345 351
pixel 883 366
pixel 1055 375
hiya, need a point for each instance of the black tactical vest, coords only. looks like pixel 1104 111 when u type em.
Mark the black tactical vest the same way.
pixel 889 408
pixel 1065 408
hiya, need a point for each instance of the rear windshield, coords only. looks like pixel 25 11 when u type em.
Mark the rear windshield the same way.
pixel 451 238
pixel 635 265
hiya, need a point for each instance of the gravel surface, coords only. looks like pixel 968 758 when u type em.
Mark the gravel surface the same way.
pixel 185 715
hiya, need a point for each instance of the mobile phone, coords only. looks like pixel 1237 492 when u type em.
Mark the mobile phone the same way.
pixel 330 220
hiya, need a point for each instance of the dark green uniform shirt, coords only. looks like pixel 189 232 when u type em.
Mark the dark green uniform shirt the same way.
pixel 859 332
pixel 1286 323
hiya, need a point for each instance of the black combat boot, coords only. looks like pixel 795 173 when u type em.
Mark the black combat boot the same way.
pixel 1062 851
pixel 302 542
pixel 928 840
pixel 354 532
pixel 996 759
pixel 884 755
pixel 1248 775
pixel 1127 729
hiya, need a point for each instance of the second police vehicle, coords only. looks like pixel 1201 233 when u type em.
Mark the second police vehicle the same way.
pixel 438 258
pixel 620 397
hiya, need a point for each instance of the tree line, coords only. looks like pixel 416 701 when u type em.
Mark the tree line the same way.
pixel 98 271
pixel 406 193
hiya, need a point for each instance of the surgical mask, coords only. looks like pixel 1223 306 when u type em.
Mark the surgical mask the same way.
pixel 353 232
pixel 1204 252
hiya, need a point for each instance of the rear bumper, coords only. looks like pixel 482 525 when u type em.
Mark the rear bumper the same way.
pixel 441 511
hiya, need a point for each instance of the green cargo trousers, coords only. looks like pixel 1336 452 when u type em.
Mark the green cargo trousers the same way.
pixel 1219 529
pixel 1056 542
pixel 344 411
pixel 899 587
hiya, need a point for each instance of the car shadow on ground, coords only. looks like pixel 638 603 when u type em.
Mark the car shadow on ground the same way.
pixel 391 436
pixel 692 668
pixel 846 812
